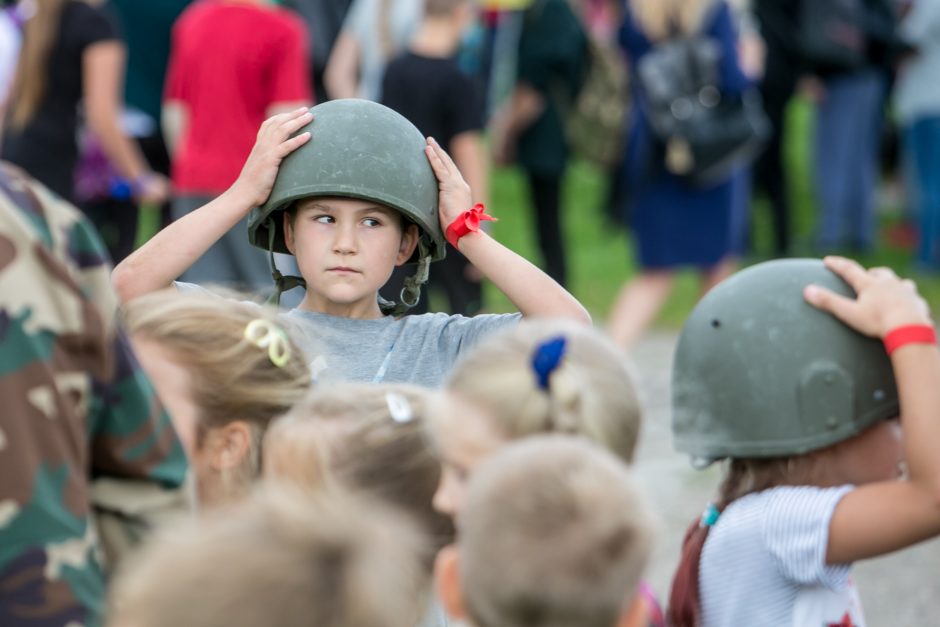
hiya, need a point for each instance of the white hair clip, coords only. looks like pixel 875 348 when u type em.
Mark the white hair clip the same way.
pixel 399 407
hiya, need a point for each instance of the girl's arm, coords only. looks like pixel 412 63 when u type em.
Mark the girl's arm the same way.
pixel 102 69
pixel 169 253
pixel 532 291
pixel 733 77
pixel 879 518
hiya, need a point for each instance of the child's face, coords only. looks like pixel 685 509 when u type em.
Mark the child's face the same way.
pixel 346 250
pixel 464 438
pixel 873 455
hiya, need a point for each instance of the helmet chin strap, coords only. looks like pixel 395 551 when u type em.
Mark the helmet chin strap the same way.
pixel 411 292
pixel 281 283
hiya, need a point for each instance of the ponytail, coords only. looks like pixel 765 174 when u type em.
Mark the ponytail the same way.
pixel 684 606
pixel 549 376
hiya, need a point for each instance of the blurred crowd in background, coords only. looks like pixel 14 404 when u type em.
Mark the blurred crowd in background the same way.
pixel 140 112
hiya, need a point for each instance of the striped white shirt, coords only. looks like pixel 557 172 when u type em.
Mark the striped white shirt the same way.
pixel 764 563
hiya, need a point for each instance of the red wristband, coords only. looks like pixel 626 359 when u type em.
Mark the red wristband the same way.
pixel 467 222
pixel 909 334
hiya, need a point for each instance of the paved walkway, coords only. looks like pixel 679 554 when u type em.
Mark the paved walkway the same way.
pixel 900 590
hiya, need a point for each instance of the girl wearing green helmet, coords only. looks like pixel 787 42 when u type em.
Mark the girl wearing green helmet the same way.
pixel 342 205
pixel 808 422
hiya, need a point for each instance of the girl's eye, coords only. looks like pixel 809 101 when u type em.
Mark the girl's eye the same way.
pixel 323 219
pixel 371 222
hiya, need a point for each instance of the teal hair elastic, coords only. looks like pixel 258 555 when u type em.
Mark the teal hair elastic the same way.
pixel 709 516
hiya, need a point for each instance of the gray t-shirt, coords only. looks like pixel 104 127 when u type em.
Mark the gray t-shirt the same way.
pixel 417 349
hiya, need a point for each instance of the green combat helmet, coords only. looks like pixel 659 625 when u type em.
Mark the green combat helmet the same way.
pixel 759 372
pixel 359 149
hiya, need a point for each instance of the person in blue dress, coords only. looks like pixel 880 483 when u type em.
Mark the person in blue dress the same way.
pixel 675 223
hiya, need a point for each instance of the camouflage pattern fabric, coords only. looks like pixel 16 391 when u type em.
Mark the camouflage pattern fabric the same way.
pixel 75 405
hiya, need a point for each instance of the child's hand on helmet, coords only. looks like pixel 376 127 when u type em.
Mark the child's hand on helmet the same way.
pixel 884 301
pixel 454 196
pixel 274 142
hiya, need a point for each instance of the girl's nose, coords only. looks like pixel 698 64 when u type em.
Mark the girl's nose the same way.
pixel 345 239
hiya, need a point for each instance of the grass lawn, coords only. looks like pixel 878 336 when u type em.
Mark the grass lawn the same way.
pixel 600 254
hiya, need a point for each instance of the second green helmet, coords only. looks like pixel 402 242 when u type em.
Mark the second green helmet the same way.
pixel 358 149
pixel 759 372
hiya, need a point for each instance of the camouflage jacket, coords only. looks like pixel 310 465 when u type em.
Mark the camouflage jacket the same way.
pixel 75 406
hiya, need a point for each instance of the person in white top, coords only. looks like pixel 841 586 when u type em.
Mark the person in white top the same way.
pixel 807 408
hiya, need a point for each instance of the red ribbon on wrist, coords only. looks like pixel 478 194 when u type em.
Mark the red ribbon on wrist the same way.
pixel 909 334
pixel 467 222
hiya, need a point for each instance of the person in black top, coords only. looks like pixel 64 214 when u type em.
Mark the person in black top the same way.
pixel 146 28
pixel 426 85
pixel 530 127
pixel 779 28
pixel 70 54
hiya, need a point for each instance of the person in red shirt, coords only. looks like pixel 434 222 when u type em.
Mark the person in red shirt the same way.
pixel 233 64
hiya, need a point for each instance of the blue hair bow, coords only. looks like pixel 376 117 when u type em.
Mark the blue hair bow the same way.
pixel 547 356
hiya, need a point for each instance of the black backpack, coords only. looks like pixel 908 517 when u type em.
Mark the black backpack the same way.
pixel 705 133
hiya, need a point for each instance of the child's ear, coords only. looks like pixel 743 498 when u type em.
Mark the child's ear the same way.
pixel 288 218
pixel 409 240
pixel 231 445
pixel 447 582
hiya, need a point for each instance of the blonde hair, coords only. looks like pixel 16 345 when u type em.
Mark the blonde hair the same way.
pixel 231 377
pixel 40 33
pixel 590 393
pixel 659 19
pixel 554 534
pixel 368 438
pixel 279 559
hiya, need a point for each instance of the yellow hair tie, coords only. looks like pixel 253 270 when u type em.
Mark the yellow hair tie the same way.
pixel 266 334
